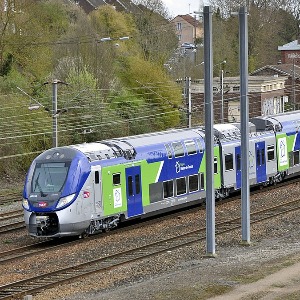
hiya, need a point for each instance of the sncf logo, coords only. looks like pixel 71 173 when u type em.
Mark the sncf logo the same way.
pixel 43 204
pixel 86 194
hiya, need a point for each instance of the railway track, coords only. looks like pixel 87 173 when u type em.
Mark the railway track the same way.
pixel 10 197
pixel 35 284
pixel 11 221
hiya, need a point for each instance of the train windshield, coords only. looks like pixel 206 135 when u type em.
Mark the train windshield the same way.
pixel 49 177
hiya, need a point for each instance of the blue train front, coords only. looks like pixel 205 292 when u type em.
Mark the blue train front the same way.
pixel 53 183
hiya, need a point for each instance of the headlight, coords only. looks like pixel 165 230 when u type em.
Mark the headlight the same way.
pixel 25 204
pixel 65 200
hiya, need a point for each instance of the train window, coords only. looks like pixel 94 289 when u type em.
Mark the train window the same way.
pixel 168 188
pixel 117 179
pixel 96 177
pixel 215 165
pixel 263 160
pixel 258 157
pixel 137 184
pixel 169 151
pixel 130 185
pixel 194 183
pixel 228 162
pixel 238 162
pixel 296 158
pixel 271 152
pixel 201 148
pixel 155 192
pixel 178 149
pixel 202 181
pixel 191 147
pixel 49 177
pixel 181 186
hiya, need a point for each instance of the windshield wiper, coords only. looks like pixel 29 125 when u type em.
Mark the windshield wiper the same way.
pixel 37 184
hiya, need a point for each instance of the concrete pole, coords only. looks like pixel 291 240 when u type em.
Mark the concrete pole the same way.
pixel 244 103
pixel 222 96
pixel 54 113
pixel 209 134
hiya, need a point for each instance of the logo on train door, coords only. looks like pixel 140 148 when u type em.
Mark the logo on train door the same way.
pixel 117 198
pixel 282 148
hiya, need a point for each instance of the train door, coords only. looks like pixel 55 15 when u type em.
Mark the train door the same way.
pixel 261 172
pixel 238 175
pixel 134 191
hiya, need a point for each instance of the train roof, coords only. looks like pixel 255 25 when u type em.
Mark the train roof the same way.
pixel 149 139
pixel 287 122
pixel 128 147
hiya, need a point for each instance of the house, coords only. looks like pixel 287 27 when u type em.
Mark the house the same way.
pixel 120 5
pixel 290 53
pixel 266 97
pixel 292 84
pixel 188 29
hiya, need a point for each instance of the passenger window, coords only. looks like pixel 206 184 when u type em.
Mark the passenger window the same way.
pixel 169 151
pixel 271 152
pixel 215 165
pixel 97 177
pixel 238 162
pixel 116 179
pixel 130 186
pixel 202 181
pixel 296 158
pixel 191 147
pixel 178 149
pixel 258 157
pixel 181 186
pixel 168 189
pixel 194 183
pixel 200 146
pixel 263 160
pixel 137 184
pixel 228 162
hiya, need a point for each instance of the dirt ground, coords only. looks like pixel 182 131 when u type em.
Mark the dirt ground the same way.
pixel 284 284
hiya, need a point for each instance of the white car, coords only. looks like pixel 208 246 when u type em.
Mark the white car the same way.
pixel 188 46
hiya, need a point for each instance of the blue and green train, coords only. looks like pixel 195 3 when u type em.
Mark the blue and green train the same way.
pixel 88 188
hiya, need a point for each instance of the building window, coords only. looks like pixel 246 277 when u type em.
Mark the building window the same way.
pixel 179 26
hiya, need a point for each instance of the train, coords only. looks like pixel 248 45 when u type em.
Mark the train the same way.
pixel 87 188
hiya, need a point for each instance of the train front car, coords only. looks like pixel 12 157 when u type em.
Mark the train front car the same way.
pixel 52 196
